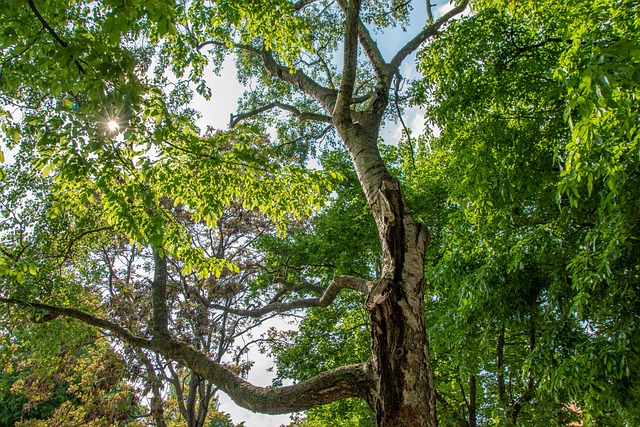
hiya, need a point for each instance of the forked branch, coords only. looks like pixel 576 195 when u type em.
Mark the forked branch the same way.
pixel 337 284
pixel 237 118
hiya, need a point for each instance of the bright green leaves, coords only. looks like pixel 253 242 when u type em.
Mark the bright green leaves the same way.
pixel 537 152
pixel 154 161
pixel 139 190
pixel 599 71
pixel 600 74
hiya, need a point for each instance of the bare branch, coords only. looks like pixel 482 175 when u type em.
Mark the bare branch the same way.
pixel 237 118
pixel 326 97
pixel 329 294
pixel 425 34
pixel 370 47
pixel 429 12
pixel 396 90
pixel 238 46
pixel 336 384
pixel 53 33
pixel 87 318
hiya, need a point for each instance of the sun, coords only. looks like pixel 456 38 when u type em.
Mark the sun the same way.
pixel 113 126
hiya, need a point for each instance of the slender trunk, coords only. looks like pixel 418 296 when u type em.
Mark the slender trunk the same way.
pixel 156 403
pixel 194 381
pixel 500 365
pixel 472 401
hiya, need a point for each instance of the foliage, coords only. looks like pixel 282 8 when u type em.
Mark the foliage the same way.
pixel 156 152
pixel 527 178
pixel 535 243
pixel 80 382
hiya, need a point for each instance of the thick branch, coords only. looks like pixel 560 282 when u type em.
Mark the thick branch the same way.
pixel 337 384
pixel 326 97
pixel 426 33
pixel 87 318
pixel 370 47
pixel 342 112
pixel 237 118
pixel 337 284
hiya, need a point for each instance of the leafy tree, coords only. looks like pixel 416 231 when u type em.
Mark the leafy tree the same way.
pixel 531 318
pixel 80 383
pixel 317 77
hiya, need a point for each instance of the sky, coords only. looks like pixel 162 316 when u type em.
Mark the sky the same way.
pixel 216 112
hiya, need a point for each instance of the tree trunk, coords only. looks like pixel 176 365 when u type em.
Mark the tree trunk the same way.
pixel 404 390
pixel 500 365
pixel 472 401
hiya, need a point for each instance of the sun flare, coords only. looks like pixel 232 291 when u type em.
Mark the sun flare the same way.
pixel 113 126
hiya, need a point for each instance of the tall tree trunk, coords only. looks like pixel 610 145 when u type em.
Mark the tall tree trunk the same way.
pixel 404 392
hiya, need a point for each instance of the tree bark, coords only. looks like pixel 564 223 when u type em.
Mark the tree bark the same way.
pixel 472 401
pixel 404 389
pixel 500 365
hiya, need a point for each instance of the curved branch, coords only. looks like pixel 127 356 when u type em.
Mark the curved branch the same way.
pixel 326 97
pixel 237 118
pixel 337 384
pixel 396 90
pixel 87 318
pixel 67 252
pixel 426 33
pixel 238 46
pixel 337 284
pixel 53 33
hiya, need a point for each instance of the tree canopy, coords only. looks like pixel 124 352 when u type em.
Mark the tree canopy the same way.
pixel 507 230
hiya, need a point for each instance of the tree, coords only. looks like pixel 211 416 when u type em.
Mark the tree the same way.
pixel 526 317
pixel 397 381
pixel 92 58
pixel 80 380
